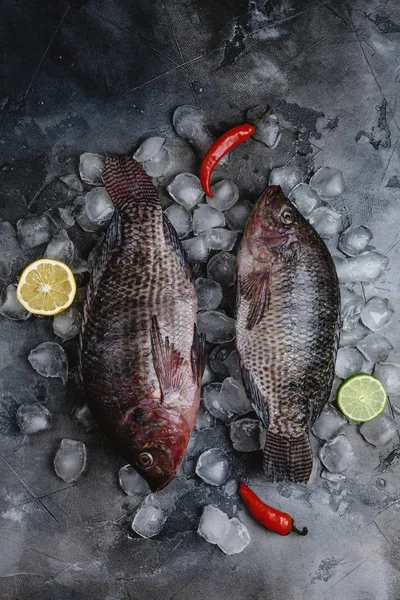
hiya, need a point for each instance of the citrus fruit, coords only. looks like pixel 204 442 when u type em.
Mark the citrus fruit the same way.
pixel 361 397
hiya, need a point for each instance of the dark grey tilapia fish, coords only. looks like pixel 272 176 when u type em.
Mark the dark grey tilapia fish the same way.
pixel 141 358
pixel 288 311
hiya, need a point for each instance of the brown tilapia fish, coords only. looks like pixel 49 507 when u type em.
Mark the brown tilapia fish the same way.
pixel 288 308
pixel 141 358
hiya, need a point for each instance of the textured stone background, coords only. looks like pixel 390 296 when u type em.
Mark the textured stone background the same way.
pixel 100 75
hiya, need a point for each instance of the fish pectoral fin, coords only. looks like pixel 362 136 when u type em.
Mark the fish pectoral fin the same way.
pixel 169 364
pixel 199 355
pixel 255 288
pixel 257 400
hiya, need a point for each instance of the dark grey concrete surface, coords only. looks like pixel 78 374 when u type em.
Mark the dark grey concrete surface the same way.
pixel 99 76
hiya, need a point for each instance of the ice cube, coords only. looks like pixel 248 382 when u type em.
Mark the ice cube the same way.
pixel 180 219
pixel 232 363
pixel 90 168
pixel 73 182
pixel 337 455
pixel 352 337
pixel 217 360
pixel 186 190
pixel 245 435
pixel 131 482
pixel 305 198
pixel 11 307
pixel 326 221
pixel 332 477
pixel 389 374
pixel 211 396
pixel 349 361
pixel 230 535
pixel 226 194
pixel 196 248
pixel 217 326
pixel 329 424
pixel 337 382
pixel 70 460
pixel 190 124
pixel 61 247
pixel 328 182
pixel 221 268
pixel 49 359
pixel 160 164
pixel 9 248
pixel 236 217
pixel 213 466
pixel 230 488
pixel 67 216
pixel 375 347
pixel 84 418
pixel 376 313
pixel 209 294
pixel 68 323
pixel 204 420
pixel 220 239
pixel 287 177
pixel 351 306
pixel 81 217
pixel 354 240
pixel 149 148
pixel 34 230
pixel 99 206
pixel 233 398
pixel 267 130
pixel 32 418
pixel 365 267
pixel 380 431
pixel 205 217
pixel 149 520
pixel 208 375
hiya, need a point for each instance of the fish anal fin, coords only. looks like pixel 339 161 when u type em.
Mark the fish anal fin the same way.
pixel 168 362
pixel 257 400
pixel 255 288
pixel 199 355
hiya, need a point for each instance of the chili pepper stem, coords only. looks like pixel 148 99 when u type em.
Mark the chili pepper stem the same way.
pixel 304 531
pixel 261 116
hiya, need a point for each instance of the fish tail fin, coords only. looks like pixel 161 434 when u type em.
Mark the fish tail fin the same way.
pixel 287 457
pixel 126 181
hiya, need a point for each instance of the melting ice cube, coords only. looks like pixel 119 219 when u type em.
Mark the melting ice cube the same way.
pixel 9 248
pixel 149 148
pixel 329 424
pixel 232 363
pixel 365 267
pixel 376 313
pixel 230 535
pixel 352 337
pixel 66 215
pixel 375 347
pixel 186 190
pixel 196 248
pixel 267 130
pixel 217 326
pixel 73 182
pixel 32 418
pixel 226 194
pixel 233 398
pixel 389 374
pixel 131 482
pixel 209 294
pixel 328 182
pixel 49 360
pixel 287 177
pixel 326 221
pixel 204 420
pixel 90 168
pixel 245 435
pixel 67 324
pixel 221 268
pixel 354 240
pixel 11 307
pixel 61 247
pixel 206 217
pixel 380 431
pixel 70 460
pixel 34 230
pixel 149 520
pixel 190 124
pixel 160 164
pixel 180 219
pixel 213 466
pixel 84 418
pixel 217 360
pixel 337 455
pixel 349 361
pixel 99 206
pixel 351 306
pixel 220 239
pixel 236 217
pixel 305 198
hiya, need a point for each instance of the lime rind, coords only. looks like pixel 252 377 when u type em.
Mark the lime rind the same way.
pixel 372 404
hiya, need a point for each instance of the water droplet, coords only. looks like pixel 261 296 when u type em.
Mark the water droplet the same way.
pixel 137 108
pixel 197 87
pixel 380 483
pixel 39 102
pixel 6 168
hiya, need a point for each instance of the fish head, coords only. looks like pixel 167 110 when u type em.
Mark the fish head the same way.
pixel 273 226
pixel 154 439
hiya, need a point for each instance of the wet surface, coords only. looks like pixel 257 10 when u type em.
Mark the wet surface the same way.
pixel 102 76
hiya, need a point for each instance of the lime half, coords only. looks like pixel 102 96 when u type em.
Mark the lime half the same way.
pixel 361 397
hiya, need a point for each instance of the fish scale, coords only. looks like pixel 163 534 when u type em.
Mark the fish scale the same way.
pixel 288 355
pixel 141 358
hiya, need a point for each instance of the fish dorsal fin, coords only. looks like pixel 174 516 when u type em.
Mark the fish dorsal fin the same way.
pixel 198 355
pixel 255 288
pixel 111 244
pixel 171 237
pixel 168 362
pixel 256 398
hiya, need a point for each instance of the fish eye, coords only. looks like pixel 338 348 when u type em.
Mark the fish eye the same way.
pixel 287 216
pixel 145 460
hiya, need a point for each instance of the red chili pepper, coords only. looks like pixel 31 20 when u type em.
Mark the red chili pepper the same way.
pixel 271 518
pixel 230 139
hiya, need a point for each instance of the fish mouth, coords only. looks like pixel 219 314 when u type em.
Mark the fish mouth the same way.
pixel 156 485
